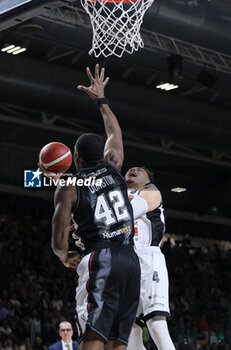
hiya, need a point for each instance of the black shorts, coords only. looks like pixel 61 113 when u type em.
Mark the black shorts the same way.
pixel 108 292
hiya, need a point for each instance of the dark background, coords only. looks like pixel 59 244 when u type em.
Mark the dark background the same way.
pixel 183 135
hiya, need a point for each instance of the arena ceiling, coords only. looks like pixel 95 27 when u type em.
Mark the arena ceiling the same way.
pixel 182 135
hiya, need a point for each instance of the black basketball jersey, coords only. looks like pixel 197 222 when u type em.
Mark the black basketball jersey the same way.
pixel 103 212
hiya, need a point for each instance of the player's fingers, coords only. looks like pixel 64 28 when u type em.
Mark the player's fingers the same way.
pixel 77 258
pixel 90 76
pixel 97 71
pixel 73 264
pixel 101 78
pixel 41 167
pixel 81 87
pixel 46 173
pixel 87 90
pixel 92 95
pixel 106 81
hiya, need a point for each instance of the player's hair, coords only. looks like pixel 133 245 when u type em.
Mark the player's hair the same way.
pixel 90 148
pixel 150 174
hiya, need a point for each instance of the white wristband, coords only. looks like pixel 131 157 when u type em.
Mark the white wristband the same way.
pixel 139 206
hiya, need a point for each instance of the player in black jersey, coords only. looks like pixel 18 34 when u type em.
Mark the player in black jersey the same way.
pixel 109 273
pixel 149 229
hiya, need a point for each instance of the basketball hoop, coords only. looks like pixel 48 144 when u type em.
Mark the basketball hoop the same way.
pixel 116 25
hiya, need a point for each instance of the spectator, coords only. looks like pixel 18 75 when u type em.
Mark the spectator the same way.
pixel 35 322
pixel 211 294
pixel 49 333
pixel 26 344
pixel 38 344
pixel 203 327
pixel 8 344
pixel 3 311
pixel 66 333
pixel 56 303
pixel 6 330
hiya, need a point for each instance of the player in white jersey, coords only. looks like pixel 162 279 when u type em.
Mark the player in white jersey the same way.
pixel 149 225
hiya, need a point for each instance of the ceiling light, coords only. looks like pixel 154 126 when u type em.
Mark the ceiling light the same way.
pixel 7 48
pixel 171 87
pixel 15 50
pixel 162 86
pixel 178 189
pixel 167 86
pixel 22 49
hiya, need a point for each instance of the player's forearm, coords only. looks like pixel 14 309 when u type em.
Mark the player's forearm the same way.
pixel 61 253
pixel 59 247
pixel 60 235
pixel 139 206
pixel 110 121
pixel 64 199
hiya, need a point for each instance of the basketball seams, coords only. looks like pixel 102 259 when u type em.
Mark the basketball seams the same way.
pixel 51 150
pixel 55 161
pixel 55 157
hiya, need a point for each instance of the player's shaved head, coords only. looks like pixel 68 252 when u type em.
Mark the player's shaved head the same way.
pixel 90 148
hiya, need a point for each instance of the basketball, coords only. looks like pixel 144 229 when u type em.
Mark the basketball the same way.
pixel 55 157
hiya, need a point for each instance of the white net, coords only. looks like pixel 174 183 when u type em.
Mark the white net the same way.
pixel 116 25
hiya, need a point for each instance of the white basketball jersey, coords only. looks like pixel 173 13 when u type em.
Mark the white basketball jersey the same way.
pixel 150 227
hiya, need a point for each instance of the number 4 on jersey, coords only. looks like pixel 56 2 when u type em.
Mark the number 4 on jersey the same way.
pixel 155 277
pixel 104 212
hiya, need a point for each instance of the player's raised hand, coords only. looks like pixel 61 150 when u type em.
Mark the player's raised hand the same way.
pixel 98 83
pixel 72 259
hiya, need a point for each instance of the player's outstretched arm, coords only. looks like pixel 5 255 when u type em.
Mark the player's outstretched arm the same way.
pixel 113 151
pixel 152 196
pixel 148 200
pixel 64 200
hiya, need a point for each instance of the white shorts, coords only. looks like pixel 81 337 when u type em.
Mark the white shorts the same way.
pixel 82 294
pixel 154 299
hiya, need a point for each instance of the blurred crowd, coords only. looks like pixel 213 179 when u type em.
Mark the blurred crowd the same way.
pixel 37 292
